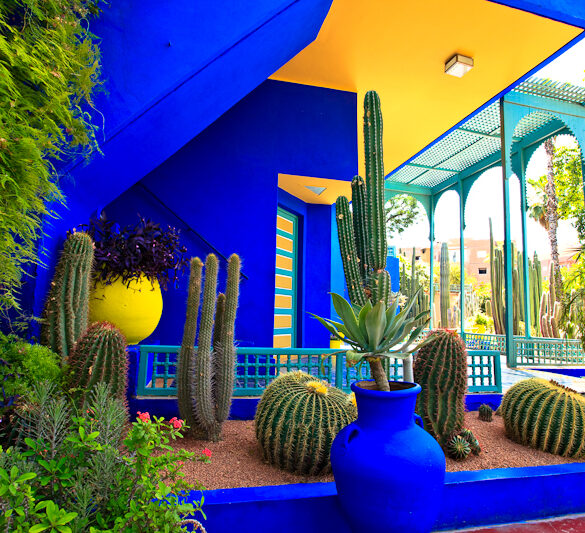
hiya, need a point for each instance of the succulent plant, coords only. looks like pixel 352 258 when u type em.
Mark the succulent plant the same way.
pixel 205 376
pixel 458 448
pixel 100 357
pixel 376 332
pixel 297 419
pixel 441 370
pixel 485 412
pixel 545 415
pixel 67 306
pixel 468 435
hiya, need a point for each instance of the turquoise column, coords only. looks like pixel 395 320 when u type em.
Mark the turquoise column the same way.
pixel 524 208
pixel 432 261
pixel 506 146
pixel 461 259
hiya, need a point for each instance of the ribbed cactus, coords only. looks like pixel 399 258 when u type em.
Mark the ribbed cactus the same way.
pixel 485 412
pixel 100 357
pixel 445 285
pixel 545 415
pixel 67 306
pixel 410 288
pixel 297 419
pixel 362 234
pixel 468 435
pixel 550 310
pixel 458 448
pixel 440 369
pixel 205 375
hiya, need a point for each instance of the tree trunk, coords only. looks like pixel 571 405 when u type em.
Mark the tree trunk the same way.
pixel 378 373
pixel 552 216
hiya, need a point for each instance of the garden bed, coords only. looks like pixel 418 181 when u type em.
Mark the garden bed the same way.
pixel 237 460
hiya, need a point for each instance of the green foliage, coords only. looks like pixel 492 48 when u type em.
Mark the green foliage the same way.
pixel 545 415
pixel 441 370
pixel 402 211
pixel 28 363
pixel 71 472
pixel 297 419
pixel 49 70
pixel 205 377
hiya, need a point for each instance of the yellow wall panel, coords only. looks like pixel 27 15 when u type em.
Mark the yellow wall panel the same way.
pixel 284 224
pixel 282 321
pixel 282 341
pixel 283 282
pixel 282 302
pixel 286 263
pixel 284 244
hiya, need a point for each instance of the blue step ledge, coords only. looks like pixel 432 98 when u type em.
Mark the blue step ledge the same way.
pixel 479 498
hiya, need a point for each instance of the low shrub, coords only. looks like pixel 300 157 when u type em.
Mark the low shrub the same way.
pixel 68 472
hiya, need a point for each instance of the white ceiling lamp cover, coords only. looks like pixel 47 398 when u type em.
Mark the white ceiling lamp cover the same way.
pixel 458 65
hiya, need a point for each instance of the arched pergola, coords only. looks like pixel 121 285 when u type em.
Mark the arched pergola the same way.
pixel 505 134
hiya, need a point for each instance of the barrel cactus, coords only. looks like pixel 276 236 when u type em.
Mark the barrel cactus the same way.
pixel 441 370
pixel 100 357
pixel 546 416
pixel 458 448
pixel 297 419
pixel 205 376
pixel 67 306
pixel 474 446
pixel 485 412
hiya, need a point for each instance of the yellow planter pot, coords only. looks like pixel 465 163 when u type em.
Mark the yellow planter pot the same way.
pixel 135 307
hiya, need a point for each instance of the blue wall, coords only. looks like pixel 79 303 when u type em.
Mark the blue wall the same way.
pixel 223 184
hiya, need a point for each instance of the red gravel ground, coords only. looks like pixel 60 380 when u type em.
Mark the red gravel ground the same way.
pixel 237 460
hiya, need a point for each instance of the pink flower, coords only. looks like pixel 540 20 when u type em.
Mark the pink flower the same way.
pixel 177 423
pixel 144 417
pixel 207 452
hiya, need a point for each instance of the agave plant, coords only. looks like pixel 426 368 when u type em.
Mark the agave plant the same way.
pixel 375 332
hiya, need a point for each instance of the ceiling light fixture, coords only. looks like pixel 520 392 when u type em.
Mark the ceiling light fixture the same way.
pixel 458 65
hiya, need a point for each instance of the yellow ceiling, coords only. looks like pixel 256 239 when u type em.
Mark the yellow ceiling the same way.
pixel 399 48
pixel 297 186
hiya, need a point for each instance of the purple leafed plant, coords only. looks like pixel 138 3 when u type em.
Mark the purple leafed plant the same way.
pixel 131 251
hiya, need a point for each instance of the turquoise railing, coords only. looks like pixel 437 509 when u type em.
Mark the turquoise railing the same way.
pixel 539 351
pixel 257 367
pixel 485 341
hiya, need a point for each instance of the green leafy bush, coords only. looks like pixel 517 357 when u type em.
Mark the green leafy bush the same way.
pixel 70 473
pixel 49 69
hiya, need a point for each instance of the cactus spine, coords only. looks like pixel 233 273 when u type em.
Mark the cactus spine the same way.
pixel 362 237
pixel 67 306
pixel 441 370
pixel 100 357
pixel 485 412
pixel 205 377
pixel 297 419
pixel 444 284
pixel 545 415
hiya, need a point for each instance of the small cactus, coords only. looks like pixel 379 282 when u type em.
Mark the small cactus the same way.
pixel 67 307
pixel 297 419
pixel 468 435
pixel 100 357
pixel 458 448
pixel 485 412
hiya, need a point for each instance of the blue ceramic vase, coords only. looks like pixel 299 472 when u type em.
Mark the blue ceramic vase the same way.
pixel 389 472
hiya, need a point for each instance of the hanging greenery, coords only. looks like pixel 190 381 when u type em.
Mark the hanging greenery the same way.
pixel 49 69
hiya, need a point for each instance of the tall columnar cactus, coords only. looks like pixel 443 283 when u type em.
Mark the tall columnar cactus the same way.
pixel 545 415
pixel 297 419
pixel 445 285
pixel 205 376
pixel 362 234
pixel 67 306
pixel 441 370
pixel 100 357
pixel 411 288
